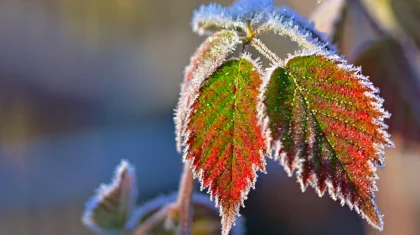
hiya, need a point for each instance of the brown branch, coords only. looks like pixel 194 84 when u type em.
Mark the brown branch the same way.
pixel 262 48
pixel 184 200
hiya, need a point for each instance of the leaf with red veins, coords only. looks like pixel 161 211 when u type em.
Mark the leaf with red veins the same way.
pixel 326 122
pixel 210 55
pixel 223 135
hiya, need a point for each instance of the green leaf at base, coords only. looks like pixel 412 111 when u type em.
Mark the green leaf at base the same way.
pixel 223 137
pixel 326 122
pixel 112 206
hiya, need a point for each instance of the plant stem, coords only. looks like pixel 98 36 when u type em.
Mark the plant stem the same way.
pixel 152 221
pixel 262 48
pixel 184 200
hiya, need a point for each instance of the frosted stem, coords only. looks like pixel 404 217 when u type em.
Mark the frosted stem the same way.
pixel 184 200
pixel 262 48
pixel 262 29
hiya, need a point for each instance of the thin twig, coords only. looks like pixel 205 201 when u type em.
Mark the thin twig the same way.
pixel 153 220
pixel 262 48
pixel 262 29
pixel 184 200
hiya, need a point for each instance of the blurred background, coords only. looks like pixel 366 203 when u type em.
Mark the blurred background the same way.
pixel 84 83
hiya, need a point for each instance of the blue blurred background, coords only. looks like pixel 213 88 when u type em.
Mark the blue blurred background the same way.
pixel 85 83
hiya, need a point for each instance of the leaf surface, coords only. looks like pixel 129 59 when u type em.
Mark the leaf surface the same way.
pixel 112 206
pixel 224 141
pixel 326 122
pixel 210 55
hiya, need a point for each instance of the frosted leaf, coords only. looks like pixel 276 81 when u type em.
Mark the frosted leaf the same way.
pixel 326 122
pixel 223 136
pixel 111 208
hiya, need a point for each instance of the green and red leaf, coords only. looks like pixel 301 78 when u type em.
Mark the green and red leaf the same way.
pixel 210 55
pixel 326 122
pixel 223 135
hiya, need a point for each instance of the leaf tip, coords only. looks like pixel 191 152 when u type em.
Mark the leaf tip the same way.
pixel 229 214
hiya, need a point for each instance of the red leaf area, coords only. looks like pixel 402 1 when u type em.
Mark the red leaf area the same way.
pixel 336 131
pixel 224 138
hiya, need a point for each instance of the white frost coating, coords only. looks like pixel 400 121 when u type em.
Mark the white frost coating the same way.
pixel 286 22
pixel 125 178
pixel 262 111
pixel 228 220
pixel 327 15
pixel 212 17
pixel 217 55
pixel 236 17
pixel 336 193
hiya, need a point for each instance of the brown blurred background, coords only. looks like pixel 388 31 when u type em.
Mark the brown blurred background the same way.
pixel 84 83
